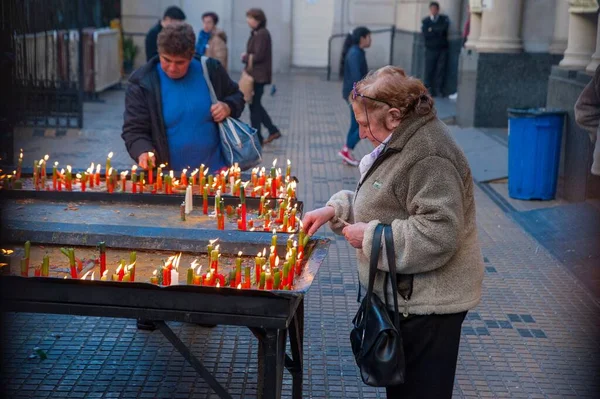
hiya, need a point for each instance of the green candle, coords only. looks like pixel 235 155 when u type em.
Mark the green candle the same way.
pixel 190 276
pixel 263 277
pixel 46 266
pixel 132 261
pixel 276 279
pixel 274 239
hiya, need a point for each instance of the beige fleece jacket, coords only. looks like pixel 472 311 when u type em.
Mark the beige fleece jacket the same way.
pixel 423 188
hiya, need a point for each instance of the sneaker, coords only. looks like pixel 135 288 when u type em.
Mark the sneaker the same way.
pixel 347 157
pixel 272 137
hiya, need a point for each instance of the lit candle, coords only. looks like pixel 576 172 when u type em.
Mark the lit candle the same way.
pixel 69 178
pixel 134 178
pixel 159 178
pixel 98 167
pixel 132 261
pixel 44 160
pixel 55 176
pixel 254 178
pixel 261 207
pixel 142 182
pixel 293 217
pixel 263 278
pixel 42 175
pixel 190 273
pixel 102 248
pixel 193 176
pixel 232 184
pixel 108 158
pixel 277 280
pixel 62 173
pixel 46 266
pixel 109 181
pixel 171 176
pixel 238 268
pixel 205 199
pixel 154 278
pixel 81 180
pixel 150 168
pixel 104 276
pixel 124 181
pixel 184 180
pixel 19 166
pixel 189 200
pixel 269 280
pixel 92 178
pixel 273 170
pixel 243 203
pixel 288 170
pixel 175 271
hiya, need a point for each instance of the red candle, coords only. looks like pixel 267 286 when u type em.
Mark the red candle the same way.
pixel 166 276
pixel 98 167
pixel 102 247
pixel 59 184
pixel 82 179
pixel 55 177
pixel 184 179
pixel 124 181
pixel 269 281
pixel 121 272
pixel 205 200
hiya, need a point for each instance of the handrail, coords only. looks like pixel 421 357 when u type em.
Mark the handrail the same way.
pixel 391 29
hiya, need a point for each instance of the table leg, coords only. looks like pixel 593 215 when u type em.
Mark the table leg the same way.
pixel 274 356
pixel 296 368
pixel 193 360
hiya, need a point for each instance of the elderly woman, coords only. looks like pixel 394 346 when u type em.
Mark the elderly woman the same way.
pixel 418 181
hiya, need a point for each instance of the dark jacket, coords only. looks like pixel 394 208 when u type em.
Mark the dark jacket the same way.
pixel 151 38
pixel 436 33
pixel 260 47
pixel 144 128
pixel 355 68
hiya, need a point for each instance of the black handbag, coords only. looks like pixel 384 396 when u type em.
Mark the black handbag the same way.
pixel 376 339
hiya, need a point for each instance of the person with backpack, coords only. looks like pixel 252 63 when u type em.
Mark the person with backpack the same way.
pixel 355 68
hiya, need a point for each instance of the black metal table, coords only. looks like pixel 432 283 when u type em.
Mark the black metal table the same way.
pixel 272 316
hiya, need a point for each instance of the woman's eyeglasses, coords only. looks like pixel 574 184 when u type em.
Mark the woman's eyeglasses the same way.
pixel 355 94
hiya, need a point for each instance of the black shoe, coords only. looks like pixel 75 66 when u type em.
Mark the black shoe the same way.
pixel 146 325
pixel 272 137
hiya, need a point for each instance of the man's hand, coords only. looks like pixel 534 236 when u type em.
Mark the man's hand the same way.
pixel 220 111
pixel 313 220
pixel 143 160
pixel 354 234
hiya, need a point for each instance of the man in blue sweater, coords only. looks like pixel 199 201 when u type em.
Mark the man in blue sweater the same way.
pixel 435 32
pixel 355 68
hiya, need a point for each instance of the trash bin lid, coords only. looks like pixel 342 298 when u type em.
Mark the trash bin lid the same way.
pixel 533 112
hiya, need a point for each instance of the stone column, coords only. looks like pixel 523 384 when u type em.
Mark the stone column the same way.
pixel 561 28
pixel 474 32
pixel 581 42
pixel 501 28
pixel 591 67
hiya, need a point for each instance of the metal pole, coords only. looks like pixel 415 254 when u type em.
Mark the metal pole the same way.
pixel 80 16
pixel 392 44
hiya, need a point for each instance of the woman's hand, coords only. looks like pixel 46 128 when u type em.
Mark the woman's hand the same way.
pixel 354 234
pixel 220 111
pixel 313 220
pixel 143 160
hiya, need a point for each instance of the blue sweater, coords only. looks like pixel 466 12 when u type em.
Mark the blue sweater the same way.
pixel 203 38
pixel 355 68
pixel 192 135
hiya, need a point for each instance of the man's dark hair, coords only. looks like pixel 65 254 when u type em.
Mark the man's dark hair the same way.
pixel 174 12
pixel 177 39
pixel 258 15
pixel 359 32
pixel 211 14
pixel 434 4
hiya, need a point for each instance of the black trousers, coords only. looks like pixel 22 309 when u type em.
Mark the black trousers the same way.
pixel 431 351
pixel 258 113
pixel 435 70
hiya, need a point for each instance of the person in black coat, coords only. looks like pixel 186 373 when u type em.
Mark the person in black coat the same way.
pixel 172 14
pixel 144 125
pixel 435 32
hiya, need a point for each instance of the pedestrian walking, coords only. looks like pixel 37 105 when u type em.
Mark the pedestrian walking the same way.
pixel 172 14
pixel 212 41
pixel 435 32
pixel 417 180
pixel 355 68
pixel 259 63
pixel 587 115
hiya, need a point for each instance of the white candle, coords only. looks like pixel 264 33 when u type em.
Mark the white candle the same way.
pixel 188 200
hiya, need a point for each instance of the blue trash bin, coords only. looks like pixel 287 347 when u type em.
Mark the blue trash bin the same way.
pixel 534 140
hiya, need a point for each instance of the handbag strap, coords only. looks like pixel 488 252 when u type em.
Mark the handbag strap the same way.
pixel 213 96
pixel 375 251
pixel 391 257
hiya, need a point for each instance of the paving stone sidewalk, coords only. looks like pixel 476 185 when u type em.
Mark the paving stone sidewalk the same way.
pixel 534 335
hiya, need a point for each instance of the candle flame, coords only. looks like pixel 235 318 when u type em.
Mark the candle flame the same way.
pixel 169 260
pixel 129 267
pixel 194 172
pixel 41 162
pixel 98 167
pixel 239 286
pixel 295 244
pixel 176 261
pixel 275 162
pixel 21 154
pixel 194 264
pixel 46 157
pixel 85 275
pixel 69 168
pixel 150 154
pixel 206 171
pixel 240 254
pixel 134 168
pixel 110 155
pixel 264 252
pixel 199 270
pixel 93 278
pixel 78 175
pixel 65 277
pixel 217 247
pixel 218 284
pixel 289 162
pixel 213 241
pixel 110 171
pixel 183 172
pixel 153 273
pixel 162 165
pixel 171 174
pixel 277 261
pixel 55 164
pixel 124 174
pixel 274 232
pixel 7 251
pixel 119 268
pixel 62 171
